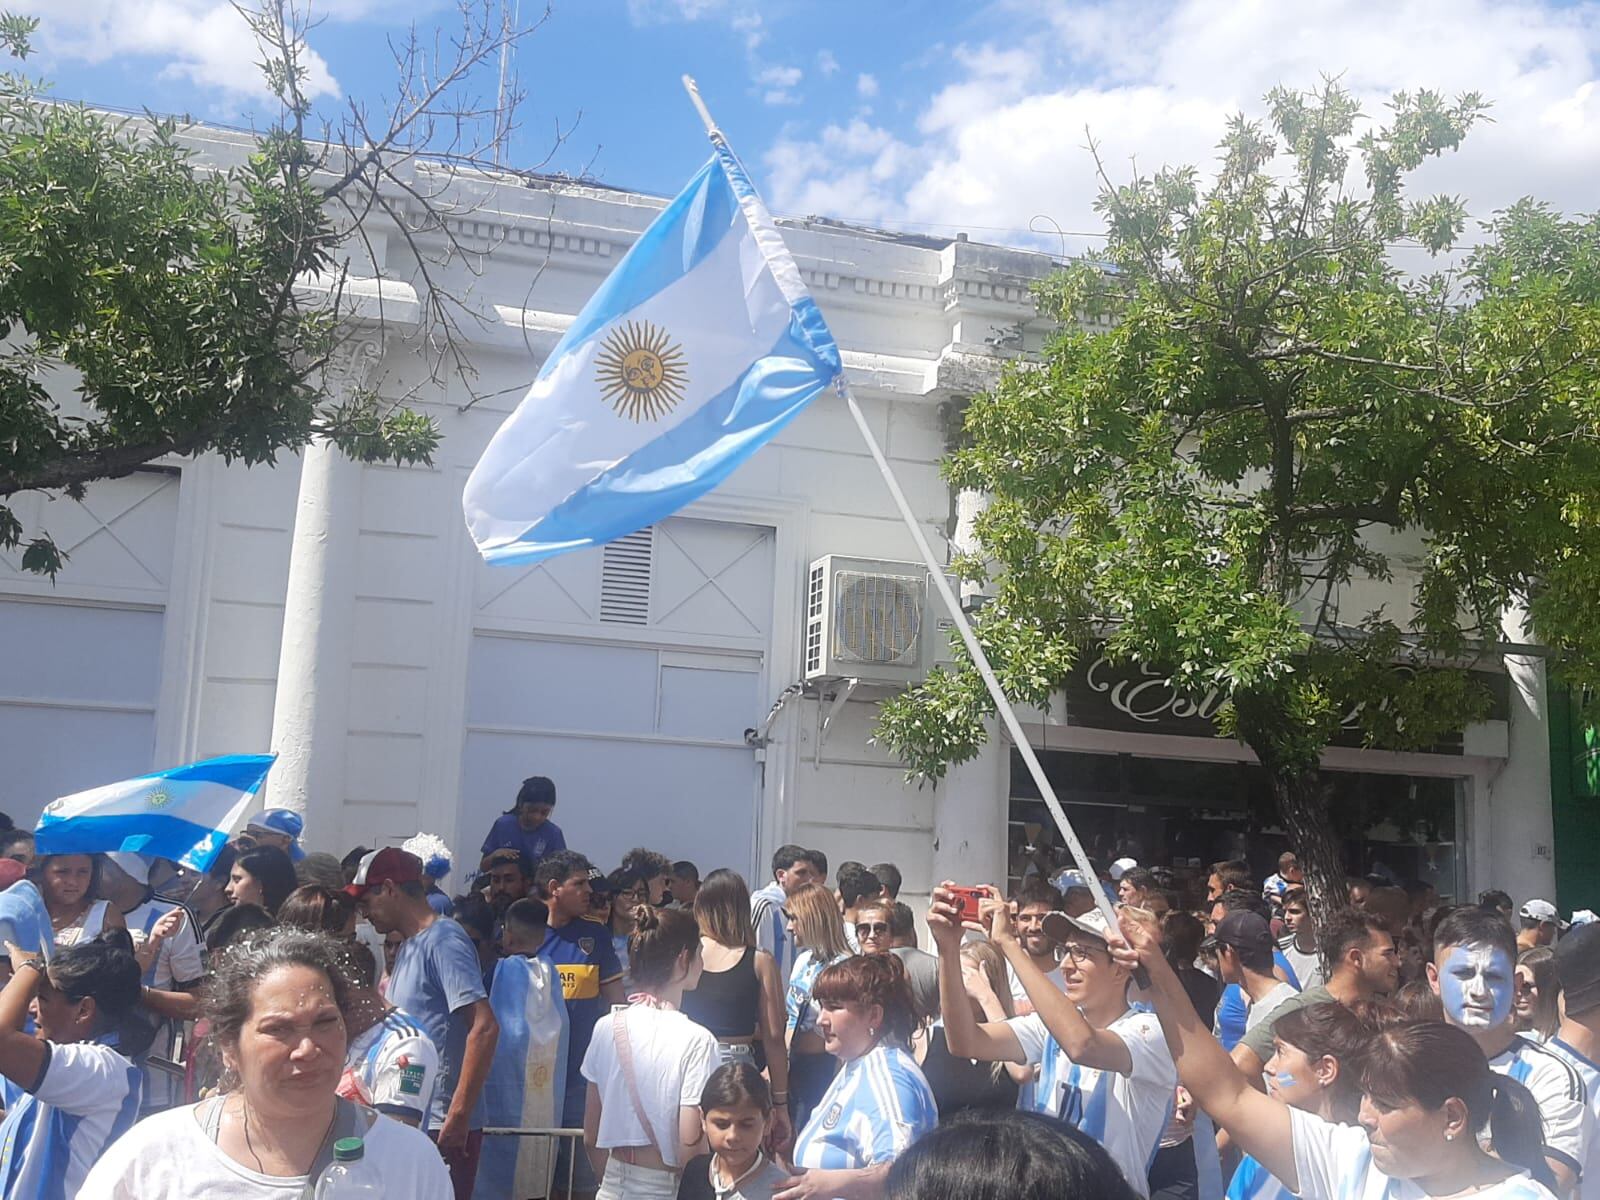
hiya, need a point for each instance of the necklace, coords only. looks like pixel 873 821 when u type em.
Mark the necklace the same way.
pixel 646 1000
pixel 723 1189
pixel 249 1144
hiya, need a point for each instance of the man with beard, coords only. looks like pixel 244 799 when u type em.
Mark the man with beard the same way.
pixel 1474 975
pixel 508 880
pixel 1033 901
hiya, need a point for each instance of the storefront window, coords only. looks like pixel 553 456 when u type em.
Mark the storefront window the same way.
pixel 1188 814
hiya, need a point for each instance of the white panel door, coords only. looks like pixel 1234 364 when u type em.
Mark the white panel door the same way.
pixel 80 657
pixel 77 699
pixel 639 718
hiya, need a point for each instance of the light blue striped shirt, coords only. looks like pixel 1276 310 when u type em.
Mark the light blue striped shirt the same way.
pixel 876 1106
pixel 87 1097
pixel 1124 1113
pixel 800 1009
pixel 1252 1181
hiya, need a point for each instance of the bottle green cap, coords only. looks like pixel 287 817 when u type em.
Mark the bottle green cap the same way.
pixel 348 1150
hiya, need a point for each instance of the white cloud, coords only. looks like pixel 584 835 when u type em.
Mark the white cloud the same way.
pixel 827 64
pixel 204 41
pixel 779 83
pixel 1004 140
pixel 867 85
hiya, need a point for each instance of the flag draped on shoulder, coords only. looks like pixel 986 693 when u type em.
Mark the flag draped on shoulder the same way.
pixel 185 814
pixel 696 350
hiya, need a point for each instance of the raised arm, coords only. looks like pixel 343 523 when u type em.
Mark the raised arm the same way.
pixel 1082 1042
pixel 992 1041
pixel 1259 1124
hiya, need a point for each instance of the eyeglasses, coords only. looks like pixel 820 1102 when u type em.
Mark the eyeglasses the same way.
pixel 1079 953
pixel 872 929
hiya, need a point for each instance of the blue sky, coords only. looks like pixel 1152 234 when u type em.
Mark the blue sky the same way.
pixel 931 116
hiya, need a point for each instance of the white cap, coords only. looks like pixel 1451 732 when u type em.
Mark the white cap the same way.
pixel 1122 866
pixel 134 866
pixel 1058 926
pixel 1542 911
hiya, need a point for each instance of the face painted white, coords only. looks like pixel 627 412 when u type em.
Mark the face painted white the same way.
pixel 1476 985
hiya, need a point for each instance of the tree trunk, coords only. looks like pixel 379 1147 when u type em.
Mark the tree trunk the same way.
pixel 1304 807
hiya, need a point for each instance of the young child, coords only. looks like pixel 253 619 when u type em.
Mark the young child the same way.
pixel 736 1110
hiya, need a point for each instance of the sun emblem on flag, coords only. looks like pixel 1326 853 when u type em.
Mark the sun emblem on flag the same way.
pixel 641 371
pixel 158 799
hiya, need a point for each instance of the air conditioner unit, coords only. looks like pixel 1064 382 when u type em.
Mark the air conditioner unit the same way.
pixel 872 620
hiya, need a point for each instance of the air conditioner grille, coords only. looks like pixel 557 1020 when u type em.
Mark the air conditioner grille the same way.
pixel 877 618
pixel 814 615
pixel 625 566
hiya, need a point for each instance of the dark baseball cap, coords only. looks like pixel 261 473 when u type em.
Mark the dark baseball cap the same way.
pixel 1578 968
pixel 1244 931
pixel 389 865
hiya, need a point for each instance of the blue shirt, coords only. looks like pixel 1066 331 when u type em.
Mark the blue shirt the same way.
pixel 876 1106
pixel 800 1009
pixel 507 834
pixel 1252 1181
pixel 582 954
pixel 436 980
pixel 87 1097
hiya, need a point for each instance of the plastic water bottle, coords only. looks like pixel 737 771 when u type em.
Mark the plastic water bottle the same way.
pixel 349 1176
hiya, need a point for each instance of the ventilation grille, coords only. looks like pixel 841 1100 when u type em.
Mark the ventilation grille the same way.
pixel 625 579
pixel 877 619
pixel 814 613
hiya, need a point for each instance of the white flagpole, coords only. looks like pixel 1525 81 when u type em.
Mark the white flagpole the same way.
pixel 951 602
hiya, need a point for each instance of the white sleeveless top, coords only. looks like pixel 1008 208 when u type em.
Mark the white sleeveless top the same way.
pixel 86 928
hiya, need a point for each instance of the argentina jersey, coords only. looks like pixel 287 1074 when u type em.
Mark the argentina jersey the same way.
pixel 1588 1071
pixel 86 1098
pixel 1559 1091
pixel 875 1108
pixel 392 1067
pixel 1252 1181
pixel 772 933
pixel 1124 1113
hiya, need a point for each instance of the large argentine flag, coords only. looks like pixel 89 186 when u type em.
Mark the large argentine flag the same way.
pixel 185 814
pixel 700 346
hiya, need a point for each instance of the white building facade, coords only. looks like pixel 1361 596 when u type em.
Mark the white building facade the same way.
pixel 338 614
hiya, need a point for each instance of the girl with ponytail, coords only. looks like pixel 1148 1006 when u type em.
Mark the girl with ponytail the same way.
pixel 1426 1094
pixel 647 1065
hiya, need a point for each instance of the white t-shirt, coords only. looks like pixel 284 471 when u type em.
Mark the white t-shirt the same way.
pixel 169 1157
pixel 1261 1009
pixel 1021 1005
pixel 1558 1090
pixel 1589 1072
pixel 392 1067
pixel 1124 1113
pixel 1334 1162
pixel 1307 964
pixel 672 1059
pixel 181 958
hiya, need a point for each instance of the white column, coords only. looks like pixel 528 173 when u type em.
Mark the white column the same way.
pixel 1521 849
pixel 310 712
pixel 969 815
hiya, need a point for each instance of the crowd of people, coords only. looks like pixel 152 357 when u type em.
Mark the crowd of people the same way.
pixel 168 1033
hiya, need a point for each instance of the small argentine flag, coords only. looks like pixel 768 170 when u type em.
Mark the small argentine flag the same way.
pixel 185 814
pixel 698 348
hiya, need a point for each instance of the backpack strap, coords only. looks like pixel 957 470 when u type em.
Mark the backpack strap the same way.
pixel 619 1036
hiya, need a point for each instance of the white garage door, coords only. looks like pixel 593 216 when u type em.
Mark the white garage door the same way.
pixel 80 660
pixel 628 676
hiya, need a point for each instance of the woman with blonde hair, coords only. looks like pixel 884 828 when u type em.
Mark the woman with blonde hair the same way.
pixel 817 929
pixel 740 996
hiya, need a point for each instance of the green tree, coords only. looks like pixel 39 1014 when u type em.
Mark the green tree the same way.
pixel 193 309
pixel 1276 408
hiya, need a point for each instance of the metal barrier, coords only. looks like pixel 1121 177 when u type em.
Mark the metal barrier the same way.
pixel 552 1135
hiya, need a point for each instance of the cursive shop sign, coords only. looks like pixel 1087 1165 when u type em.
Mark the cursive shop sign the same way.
pixel 1134 698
